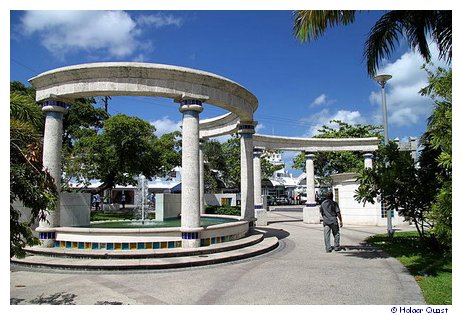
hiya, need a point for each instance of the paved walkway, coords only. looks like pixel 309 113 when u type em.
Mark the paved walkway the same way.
pixel 298 272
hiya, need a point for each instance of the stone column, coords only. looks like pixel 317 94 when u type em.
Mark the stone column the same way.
pixel 190 191
pixel 260 212
pixel 201 175
pixel 368 160
pixel 246 130
pixel 52 151
pixel 257 177
pixel 311 209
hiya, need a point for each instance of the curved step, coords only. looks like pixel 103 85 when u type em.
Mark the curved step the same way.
pixel 145 253
pixel 264 246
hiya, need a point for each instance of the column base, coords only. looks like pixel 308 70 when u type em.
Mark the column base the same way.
pixel 191 243
pixel 190 237
pixel 46 236
pixel 262 217
pixel 311 214
pixel 47 243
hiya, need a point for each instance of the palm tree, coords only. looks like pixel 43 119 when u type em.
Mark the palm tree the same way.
pixel 29 183
pixel 417 27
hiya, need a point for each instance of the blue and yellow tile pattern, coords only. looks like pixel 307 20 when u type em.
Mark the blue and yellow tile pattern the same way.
pixel 138 245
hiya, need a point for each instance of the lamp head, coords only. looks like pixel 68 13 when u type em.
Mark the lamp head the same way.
pixel 382 79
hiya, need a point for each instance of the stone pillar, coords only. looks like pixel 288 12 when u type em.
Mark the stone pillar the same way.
pixel 201 175
pixel 190 191
pixel 246 130
pixel 52 151
pixel 311 209
pixel 368 160
pixel 260 211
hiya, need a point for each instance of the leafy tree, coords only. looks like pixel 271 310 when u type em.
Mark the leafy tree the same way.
pixel 223 163
pixel 232 154
pixel 438 138
pixel 422 194
pixel 267 168
pixel 400 185
pixel 82 119
pixel 417 27
pixel 214 165
pixel 328 163
pixel 29 183
pixel 125 148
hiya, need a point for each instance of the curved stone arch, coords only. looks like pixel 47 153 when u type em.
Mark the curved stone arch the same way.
pixel 219 126
pixel 145 79
pixel 189 87
pixel 310 146
pixel 316 144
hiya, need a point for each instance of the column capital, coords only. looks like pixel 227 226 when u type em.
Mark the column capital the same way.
pixel 246 127
pixel 54 106
pixel 257 152
pixel 191 105
pixel 309 155
pixel 368 155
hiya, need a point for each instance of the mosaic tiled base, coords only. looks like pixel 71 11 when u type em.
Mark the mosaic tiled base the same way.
pixel 139 246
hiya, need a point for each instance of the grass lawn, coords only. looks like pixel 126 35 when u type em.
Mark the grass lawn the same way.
pixel 100 216
pixel 431 269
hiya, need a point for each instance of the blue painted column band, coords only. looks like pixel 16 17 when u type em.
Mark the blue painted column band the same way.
pixel 47 235
pixel 190 235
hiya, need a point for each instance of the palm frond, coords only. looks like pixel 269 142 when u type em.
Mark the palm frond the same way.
pixel 381 40
pixel 311 24
pixel 24 108
pixel 416 27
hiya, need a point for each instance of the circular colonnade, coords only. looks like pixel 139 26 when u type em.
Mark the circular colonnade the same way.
pixel 190 88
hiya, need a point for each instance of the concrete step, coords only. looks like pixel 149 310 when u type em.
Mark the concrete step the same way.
pixel 145 253
pixel 154 262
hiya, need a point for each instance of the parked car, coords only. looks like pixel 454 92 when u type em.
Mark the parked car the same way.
pixel 282 201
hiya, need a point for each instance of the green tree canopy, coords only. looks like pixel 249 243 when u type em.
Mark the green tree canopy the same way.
pixel 223 163
pixel 438 138
pixel 328 163
pixel 125 148
pixel 422 194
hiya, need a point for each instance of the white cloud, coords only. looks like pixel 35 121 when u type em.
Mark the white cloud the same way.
pixel 405 106
pixel 159 20
pixel 112 33
pixel 324 117
pixel 321 100
pixel 165 125
pixel 259 127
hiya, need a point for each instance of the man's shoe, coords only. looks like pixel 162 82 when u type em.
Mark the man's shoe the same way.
pixel 337 249
pixel 328 250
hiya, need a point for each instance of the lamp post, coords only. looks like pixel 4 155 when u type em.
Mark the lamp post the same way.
pixel 382 80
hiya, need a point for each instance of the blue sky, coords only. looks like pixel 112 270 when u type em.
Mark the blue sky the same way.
pixel 300 87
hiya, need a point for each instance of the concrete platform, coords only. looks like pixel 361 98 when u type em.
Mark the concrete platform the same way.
pixel 62 258
pixel 297 272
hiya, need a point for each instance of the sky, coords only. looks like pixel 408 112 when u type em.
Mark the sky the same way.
pixel 300 86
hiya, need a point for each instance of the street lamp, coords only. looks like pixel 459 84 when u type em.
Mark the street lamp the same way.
pixel 382 80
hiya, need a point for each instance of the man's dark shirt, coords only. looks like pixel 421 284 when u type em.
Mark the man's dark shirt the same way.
pixel 329 210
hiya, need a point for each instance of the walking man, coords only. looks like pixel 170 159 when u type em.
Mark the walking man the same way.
pixel 332 219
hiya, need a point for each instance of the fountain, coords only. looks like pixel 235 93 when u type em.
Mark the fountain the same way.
pixel 141 194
